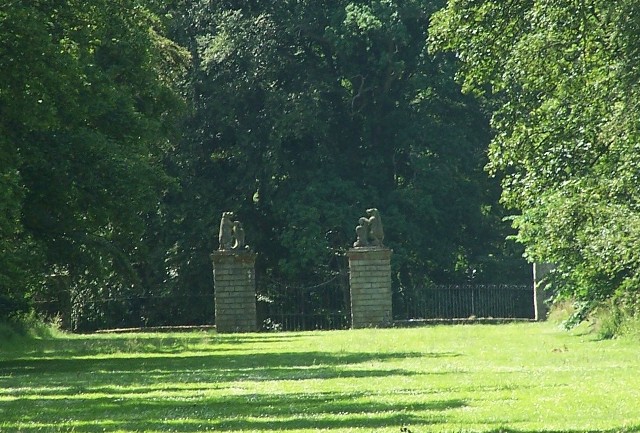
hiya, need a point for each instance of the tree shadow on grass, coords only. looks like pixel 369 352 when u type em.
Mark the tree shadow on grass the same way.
pixel 183 392
pixel 251 362
pixel 140 343
pixel 280 412
pixel 66 378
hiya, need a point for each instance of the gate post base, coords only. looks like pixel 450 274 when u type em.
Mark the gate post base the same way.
pixel 235 291
pixel 370 282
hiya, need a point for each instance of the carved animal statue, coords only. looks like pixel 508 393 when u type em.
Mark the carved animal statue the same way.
pixel 225 235
pixel 238 235
pixel 362 233
pixel 376 233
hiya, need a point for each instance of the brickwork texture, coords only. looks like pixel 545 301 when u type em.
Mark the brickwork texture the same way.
pixel 370 281
pixel 234 291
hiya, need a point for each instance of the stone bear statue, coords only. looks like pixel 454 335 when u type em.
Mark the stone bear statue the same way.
pixel 376 233
pixel 362 233
pixel 225 235
pixel 238 236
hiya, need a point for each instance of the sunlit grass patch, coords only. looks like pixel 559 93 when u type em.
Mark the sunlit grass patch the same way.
pixel 511 378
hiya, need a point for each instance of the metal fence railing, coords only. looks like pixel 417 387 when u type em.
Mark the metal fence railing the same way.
pixel 287 307
pixel 464 301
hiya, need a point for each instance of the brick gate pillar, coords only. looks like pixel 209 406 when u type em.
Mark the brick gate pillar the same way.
pixel 235 290
pixel 370 282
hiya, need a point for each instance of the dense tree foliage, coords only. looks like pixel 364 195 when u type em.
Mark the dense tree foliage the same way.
pixel 308 113
pixel 565 78
pixel 85 98
pixel 301 115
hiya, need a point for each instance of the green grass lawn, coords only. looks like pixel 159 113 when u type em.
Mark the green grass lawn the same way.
pixel 474 378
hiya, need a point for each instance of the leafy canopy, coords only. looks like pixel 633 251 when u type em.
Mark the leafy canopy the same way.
pixel 308 113
pixel 564 78
pixel 86 106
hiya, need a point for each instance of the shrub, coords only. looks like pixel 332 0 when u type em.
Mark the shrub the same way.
pixel 27 326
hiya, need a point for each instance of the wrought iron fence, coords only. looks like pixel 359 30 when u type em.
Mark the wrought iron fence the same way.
pixel 286 307
pixel 464 301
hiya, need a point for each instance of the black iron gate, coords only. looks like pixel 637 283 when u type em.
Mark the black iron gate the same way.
pixel 463 302
pixel 286 307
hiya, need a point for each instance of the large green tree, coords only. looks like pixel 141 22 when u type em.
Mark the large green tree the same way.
pixel 306 114
pixel 86 110
pixel 564 76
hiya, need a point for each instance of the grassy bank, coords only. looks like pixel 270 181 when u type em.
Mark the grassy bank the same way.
pixel 480 378
pixel 23 331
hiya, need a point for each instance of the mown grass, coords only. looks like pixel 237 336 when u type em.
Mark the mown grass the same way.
pixel 478 378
